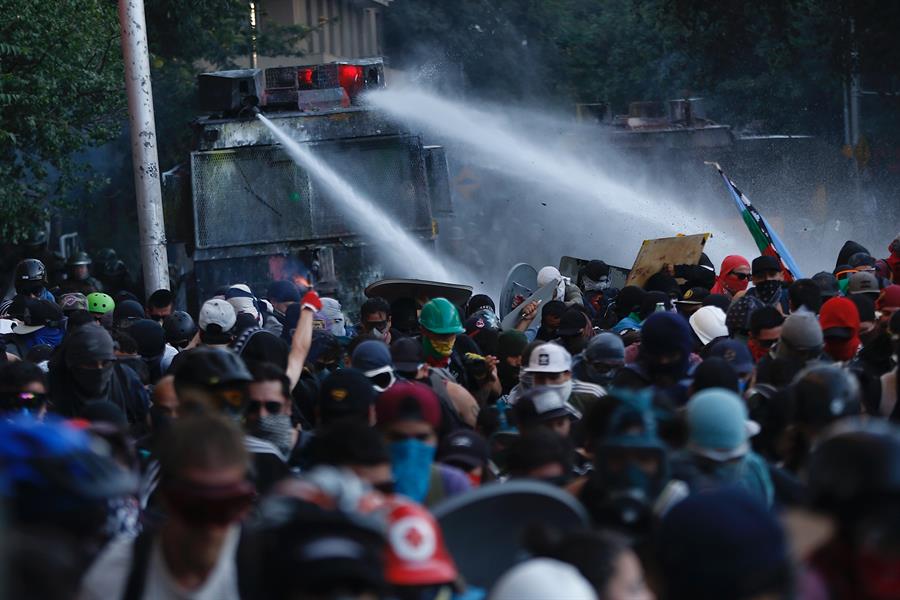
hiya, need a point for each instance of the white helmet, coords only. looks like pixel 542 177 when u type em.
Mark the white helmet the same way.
pixel 540 579
pixel 709 323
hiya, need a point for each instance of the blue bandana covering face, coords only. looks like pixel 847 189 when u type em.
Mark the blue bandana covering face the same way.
pixel 411 462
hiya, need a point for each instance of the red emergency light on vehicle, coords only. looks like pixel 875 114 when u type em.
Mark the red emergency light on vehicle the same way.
pixel 320 87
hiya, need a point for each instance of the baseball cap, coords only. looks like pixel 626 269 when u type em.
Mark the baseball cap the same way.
pixel 407 355
pixel 36 314
pixel 828 284
pixel 549 358
pixel 735 353
pixel 408 401
pixel 801 331
pixel 218 313
pixel 719 429
pixel 572 323
pixel 763 264
pixel 127 312
pixel 465 448
pixel 889 298
pixel 541 404
pixel 695 295
pixel 346 393
pixel 863 282
pixel 372 357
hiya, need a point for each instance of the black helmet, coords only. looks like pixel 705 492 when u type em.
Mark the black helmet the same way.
pixel 78 259
pixel 823 393
pixel 30 271
pixel 856 462
pixel 180 328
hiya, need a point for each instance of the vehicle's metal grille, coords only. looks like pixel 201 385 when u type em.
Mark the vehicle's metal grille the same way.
pixel 256 194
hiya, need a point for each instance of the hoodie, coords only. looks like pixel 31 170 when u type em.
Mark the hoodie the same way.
pixel 847 250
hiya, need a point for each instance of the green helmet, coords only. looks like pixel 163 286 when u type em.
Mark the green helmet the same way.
pixel 441 317
pixel 100 303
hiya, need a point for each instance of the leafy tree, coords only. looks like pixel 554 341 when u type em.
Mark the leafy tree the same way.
pixel 61 90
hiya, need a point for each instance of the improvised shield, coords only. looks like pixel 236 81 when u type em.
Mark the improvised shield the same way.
pixel 679 250
pixel 542 296
pixel 484 529
pixel 521 280
pixel 419 289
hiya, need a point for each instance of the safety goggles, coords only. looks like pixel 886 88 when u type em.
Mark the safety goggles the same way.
pixel 209 504
pixel 273 407
pixel 382 378
pixel 15 401
pixel 380 325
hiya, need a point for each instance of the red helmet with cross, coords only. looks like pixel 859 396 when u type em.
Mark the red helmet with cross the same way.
pixel 416 553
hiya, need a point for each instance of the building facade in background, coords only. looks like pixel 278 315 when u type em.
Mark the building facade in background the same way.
pixel 343 29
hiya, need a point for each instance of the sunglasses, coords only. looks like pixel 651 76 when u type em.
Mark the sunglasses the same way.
pixel 741 276
pixel 273 407
pixel 376 325
pixel 209 505
pixel 767 343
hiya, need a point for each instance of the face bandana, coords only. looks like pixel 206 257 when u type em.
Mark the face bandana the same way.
pixel 769 290
pixel 438 350
pixel 563 389
pixel 277 430
pixel 411 462
pixel 595 286
pixel 93 382
pixel 526 380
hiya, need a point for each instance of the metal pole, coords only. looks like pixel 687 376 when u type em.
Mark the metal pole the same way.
pixel 154 258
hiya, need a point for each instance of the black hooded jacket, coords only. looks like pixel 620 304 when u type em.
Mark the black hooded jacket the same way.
pixel 124 389
pixel 847 250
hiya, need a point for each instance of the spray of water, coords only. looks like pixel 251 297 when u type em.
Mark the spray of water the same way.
pixel 528 150
pixel 401 249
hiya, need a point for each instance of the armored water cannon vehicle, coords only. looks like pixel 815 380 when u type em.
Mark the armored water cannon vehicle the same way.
pixel 244 211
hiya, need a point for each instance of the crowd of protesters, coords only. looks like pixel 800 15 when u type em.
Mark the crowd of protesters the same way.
pixel 712 434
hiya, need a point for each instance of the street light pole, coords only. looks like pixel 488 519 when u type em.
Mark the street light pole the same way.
pixel 154 257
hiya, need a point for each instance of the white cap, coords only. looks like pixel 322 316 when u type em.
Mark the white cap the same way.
pixel 217 312
pixel 709 323
pixel 540 579
pixel 549 358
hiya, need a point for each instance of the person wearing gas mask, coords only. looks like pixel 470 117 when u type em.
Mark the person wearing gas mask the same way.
pixel 375 320
pixel 408 416
pixel 631 485
pixel 718 452
pixel 84 370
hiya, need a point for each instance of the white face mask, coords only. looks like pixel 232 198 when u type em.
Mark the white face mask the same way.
pixel 564 389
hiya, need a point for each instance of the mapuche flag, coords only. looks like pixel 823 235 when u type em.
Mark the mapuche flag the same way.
pixel 765 237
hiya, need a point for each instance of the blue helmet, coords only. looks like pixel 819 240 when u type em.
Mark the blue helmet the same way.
pixel 51 471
